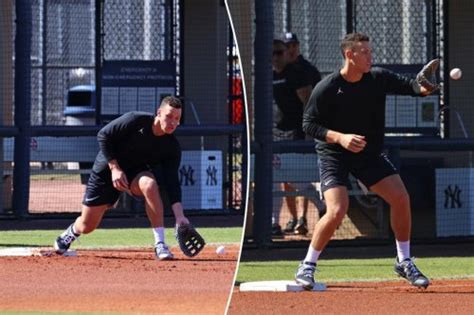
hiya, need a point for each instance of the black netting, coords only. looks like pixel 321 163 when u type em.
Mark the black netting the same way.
pixel 137 30
pixel 63 55
pixel 398 29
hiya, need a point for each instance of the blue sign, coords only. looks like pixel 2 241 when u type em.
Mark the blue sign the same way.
pixel 135 85
pixel 139 73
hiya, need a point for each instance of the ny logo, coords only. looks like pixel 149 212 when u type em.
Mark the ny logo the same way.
pixel 186 174
pixel 452 197
pixel 211 176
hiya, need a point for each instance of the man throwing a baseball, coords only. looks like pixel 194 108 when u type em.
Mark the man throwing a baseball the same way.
pixel 131 147
pixel 346 115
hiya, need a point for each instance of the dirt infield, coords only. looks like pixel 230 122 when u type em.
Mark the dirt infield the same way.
pixel 397 297
pixel 123 281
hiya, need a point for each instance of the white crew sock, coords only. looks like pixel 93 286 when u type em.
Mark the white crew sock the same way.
pixel 312 255
pixel 70 230
pixel 403 250
pixel 159 234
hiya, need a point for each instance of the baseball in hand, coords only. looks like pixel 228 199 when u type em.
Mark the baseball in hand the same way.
pixel 220 250
pixel 455 73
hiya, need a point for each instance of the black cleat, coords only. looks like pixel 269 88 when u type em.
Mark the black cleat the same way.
pixel 62 244
pixel 305 275
pixel 407 269
pixel 64 241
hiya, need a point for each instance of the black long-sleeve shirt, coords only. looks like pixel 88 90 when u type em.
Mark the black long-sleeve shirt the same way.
pixel 356 108
pixel 129 139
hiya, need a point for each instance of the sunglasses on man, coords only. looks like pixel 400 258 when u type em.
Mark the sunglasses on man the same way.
pixel 278 52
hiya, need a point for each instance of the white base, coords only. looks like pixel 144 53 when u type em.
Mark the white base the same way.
pixel 277 286
pixel 33 251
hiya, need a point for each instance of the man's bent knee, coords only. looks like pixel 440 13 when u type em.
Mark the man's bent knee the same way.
pixel 400 199
pixel 336 213
pixel 149 186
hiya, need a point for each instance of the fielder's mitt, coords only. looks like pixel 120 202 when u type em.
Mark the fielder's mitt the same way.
pixel 189 240
pixel 427 77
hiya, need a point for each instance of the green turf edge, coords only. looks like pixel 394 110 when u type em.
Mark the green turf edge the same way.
pixel 357 269
pixel 114 238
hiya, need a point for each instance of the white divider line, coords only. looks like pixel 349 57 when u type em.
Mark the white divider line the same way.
pixel 32 251
pixel 277 286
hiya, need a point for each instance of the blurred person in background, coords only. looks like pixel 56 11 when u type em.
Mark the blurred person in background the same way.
pixel 291 91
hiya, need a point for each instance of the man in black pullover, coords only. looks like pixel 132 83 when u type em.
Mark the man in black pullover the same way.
pixel 131 147
pixel 346 115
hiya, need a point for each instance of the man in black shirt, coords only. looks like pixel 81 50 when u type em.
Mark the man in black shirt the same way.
pixel 291 91
pixel 131 146
pixel 294 55
pixel 346 115
pixel 299 225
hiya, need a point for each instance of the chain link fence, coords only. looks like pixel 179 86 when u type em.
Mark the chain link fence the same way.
pixel 399 30
pixel 318 25
pixel 138 30
pixel 63 52
pixel 63 45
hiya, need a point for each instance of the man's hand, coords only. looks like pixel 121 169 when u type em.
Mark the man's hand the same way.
pixel 182 221
pixel 353 143
pixel 119 179
pixel 425 82
pixel 178 212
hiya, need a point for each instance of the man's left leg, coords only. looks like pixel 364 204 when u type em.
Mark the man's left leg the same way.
pixel 145 185
pixel 291 205
pixel 393 191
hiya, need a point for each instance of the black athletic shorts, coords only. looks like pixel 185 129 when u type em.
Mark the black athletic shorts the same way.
pixel 100 190
pixel 369 169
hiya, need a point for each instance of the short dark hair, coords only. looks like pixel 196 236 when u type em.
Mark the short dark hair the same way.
pixel 172 101
pixel 349 41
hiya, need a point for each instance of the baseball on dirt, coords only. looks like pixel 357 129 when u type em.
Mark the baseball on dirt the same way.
pixel 220 250
pixel 455 73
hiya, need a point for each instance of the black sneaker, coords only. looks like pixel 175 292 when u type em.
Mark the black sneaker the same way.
pixel 290 226
pixel 64 241
pixel 276 230
pixel 305 275
pixel 301 227
pixel 407 269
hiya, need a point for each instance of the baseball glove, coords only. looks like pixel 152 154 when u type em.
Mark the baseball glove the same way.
pixel 189 240
pixel 427 77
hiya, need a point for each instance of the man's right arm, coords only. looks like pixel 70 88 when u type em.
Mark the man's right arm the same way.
pixel 112 133
pixel 314 116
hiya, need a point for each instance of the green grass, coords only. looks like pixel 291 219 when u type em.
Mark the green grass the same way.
pixel 356 269
pixel 108 238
